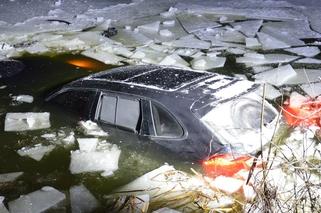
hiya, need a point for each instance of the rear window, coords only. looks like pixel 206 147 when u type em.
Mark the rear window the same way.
pixel 165 124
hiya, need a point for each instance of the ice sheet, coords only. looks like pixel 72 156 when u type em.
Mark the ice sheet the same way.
pixel 47 198
pixel 206 62
pixel 148 55
pixel 270 92
pixel 189 42
pixel 252 43
pixel 103 56
pixel 305 51
pixel 36 152
pixel 150 27
pixel 313 89
pixel 277 76
pixel 305 76
pixel 103 159
pixel 9 177
pixel 249 28
pixel 26 121
pixel 23 98
pixel 194 22
pixel 131 38
pixel 308 61
pixel 82 200
pixel 174 60
pixel 261 59
pixel 269 42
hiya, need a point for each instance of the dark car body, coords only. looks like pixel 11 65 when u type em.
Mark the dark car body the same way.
pixel 164 104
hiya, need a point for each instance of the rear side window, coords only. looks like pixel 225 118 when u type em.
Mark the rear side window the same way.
pixel 165 124
pixel 121 112
pixel 78 102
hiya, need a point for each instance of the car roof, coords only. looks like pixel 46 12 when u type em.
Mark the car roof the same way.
pixel 201 90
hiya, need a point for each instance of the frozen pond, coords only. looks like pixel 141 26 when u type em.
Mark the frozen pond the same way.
pixel 64 161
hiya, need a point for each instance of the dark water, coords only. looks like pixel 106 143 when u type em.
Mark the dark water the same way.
pixel 41 75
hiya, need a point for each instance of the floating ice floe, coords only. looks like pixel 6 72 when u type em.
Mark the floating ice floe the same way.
pixel 304 51
pixel 45 199
pixel 87 144
pixel 255 59
pixel 91 128
pixel 206 62
pixel 23 98
pixel 269 42
pixel 236 51
pixel 103 56
pixel 82 200
pixel 131 38
pixel 249 28
pixel 185 51
pixel 189 41
pixel 102 158
pixel 277 76
pixel 252 43
pixel 305 76
pixel 9 177
pixel 26 121
pixel 3 209
pixel 148 55
pixel 36 152
pixel 194 22
pixel 174 60
pixel 312 89
pixel 308 61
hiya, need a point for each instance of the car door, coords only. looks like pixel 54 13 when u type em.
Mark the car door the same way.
pixel 122 112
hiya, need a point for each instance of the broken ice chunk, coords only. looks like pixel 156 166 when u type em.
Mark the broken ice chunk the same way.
pixel 308 61
pixel 9 177
pixel 148 55
pixel 26 121
pixel 236 51
pixel 36 152
pixel 206 62
pixel 252 43
pixel 103 159
pixel 277 76
pixel 254 59
pixel 305 76
pixel 268 42
pixel 270 92
pixel 169 23
pixel 249 28
pixel 174 60
pixel 150 27
pixel 192 22
pixel 189 42
pixel 304 51
pixel 313 89
pixel 91 128
pixel 87 144
pixel 103 56
pixel 82 200
pixel 259 69
pixel 45 199
pixel 185 51
pixel 23 98
pixel 3 209
pixel 131 38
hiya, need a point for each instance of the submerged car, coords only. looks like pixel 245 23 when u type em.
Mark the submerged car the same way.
pixel 192 113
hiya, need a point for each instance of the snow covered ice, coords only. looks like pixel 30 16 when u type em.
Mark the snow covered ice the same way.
pixel 26 121
pixel 97 157
pixel 47 198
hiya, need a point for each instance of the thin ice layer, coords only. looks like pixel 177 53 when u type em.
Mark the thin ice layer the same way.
pixel 277 76
pixel 26 121
pixel 36 152
pixel 82 200
pixel 305 51
pixel 9 177
pixel 47 198
pixel 249 28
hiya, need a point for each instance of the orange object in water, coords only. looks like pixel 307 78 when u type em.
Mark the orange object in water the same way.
pixel 86 63
pixel 302 111
pixel 225 165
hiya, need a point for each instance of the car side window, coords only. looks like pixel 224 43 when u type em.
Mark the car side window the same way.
pixel 78 102
pixel 120 111
pixel 165 124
